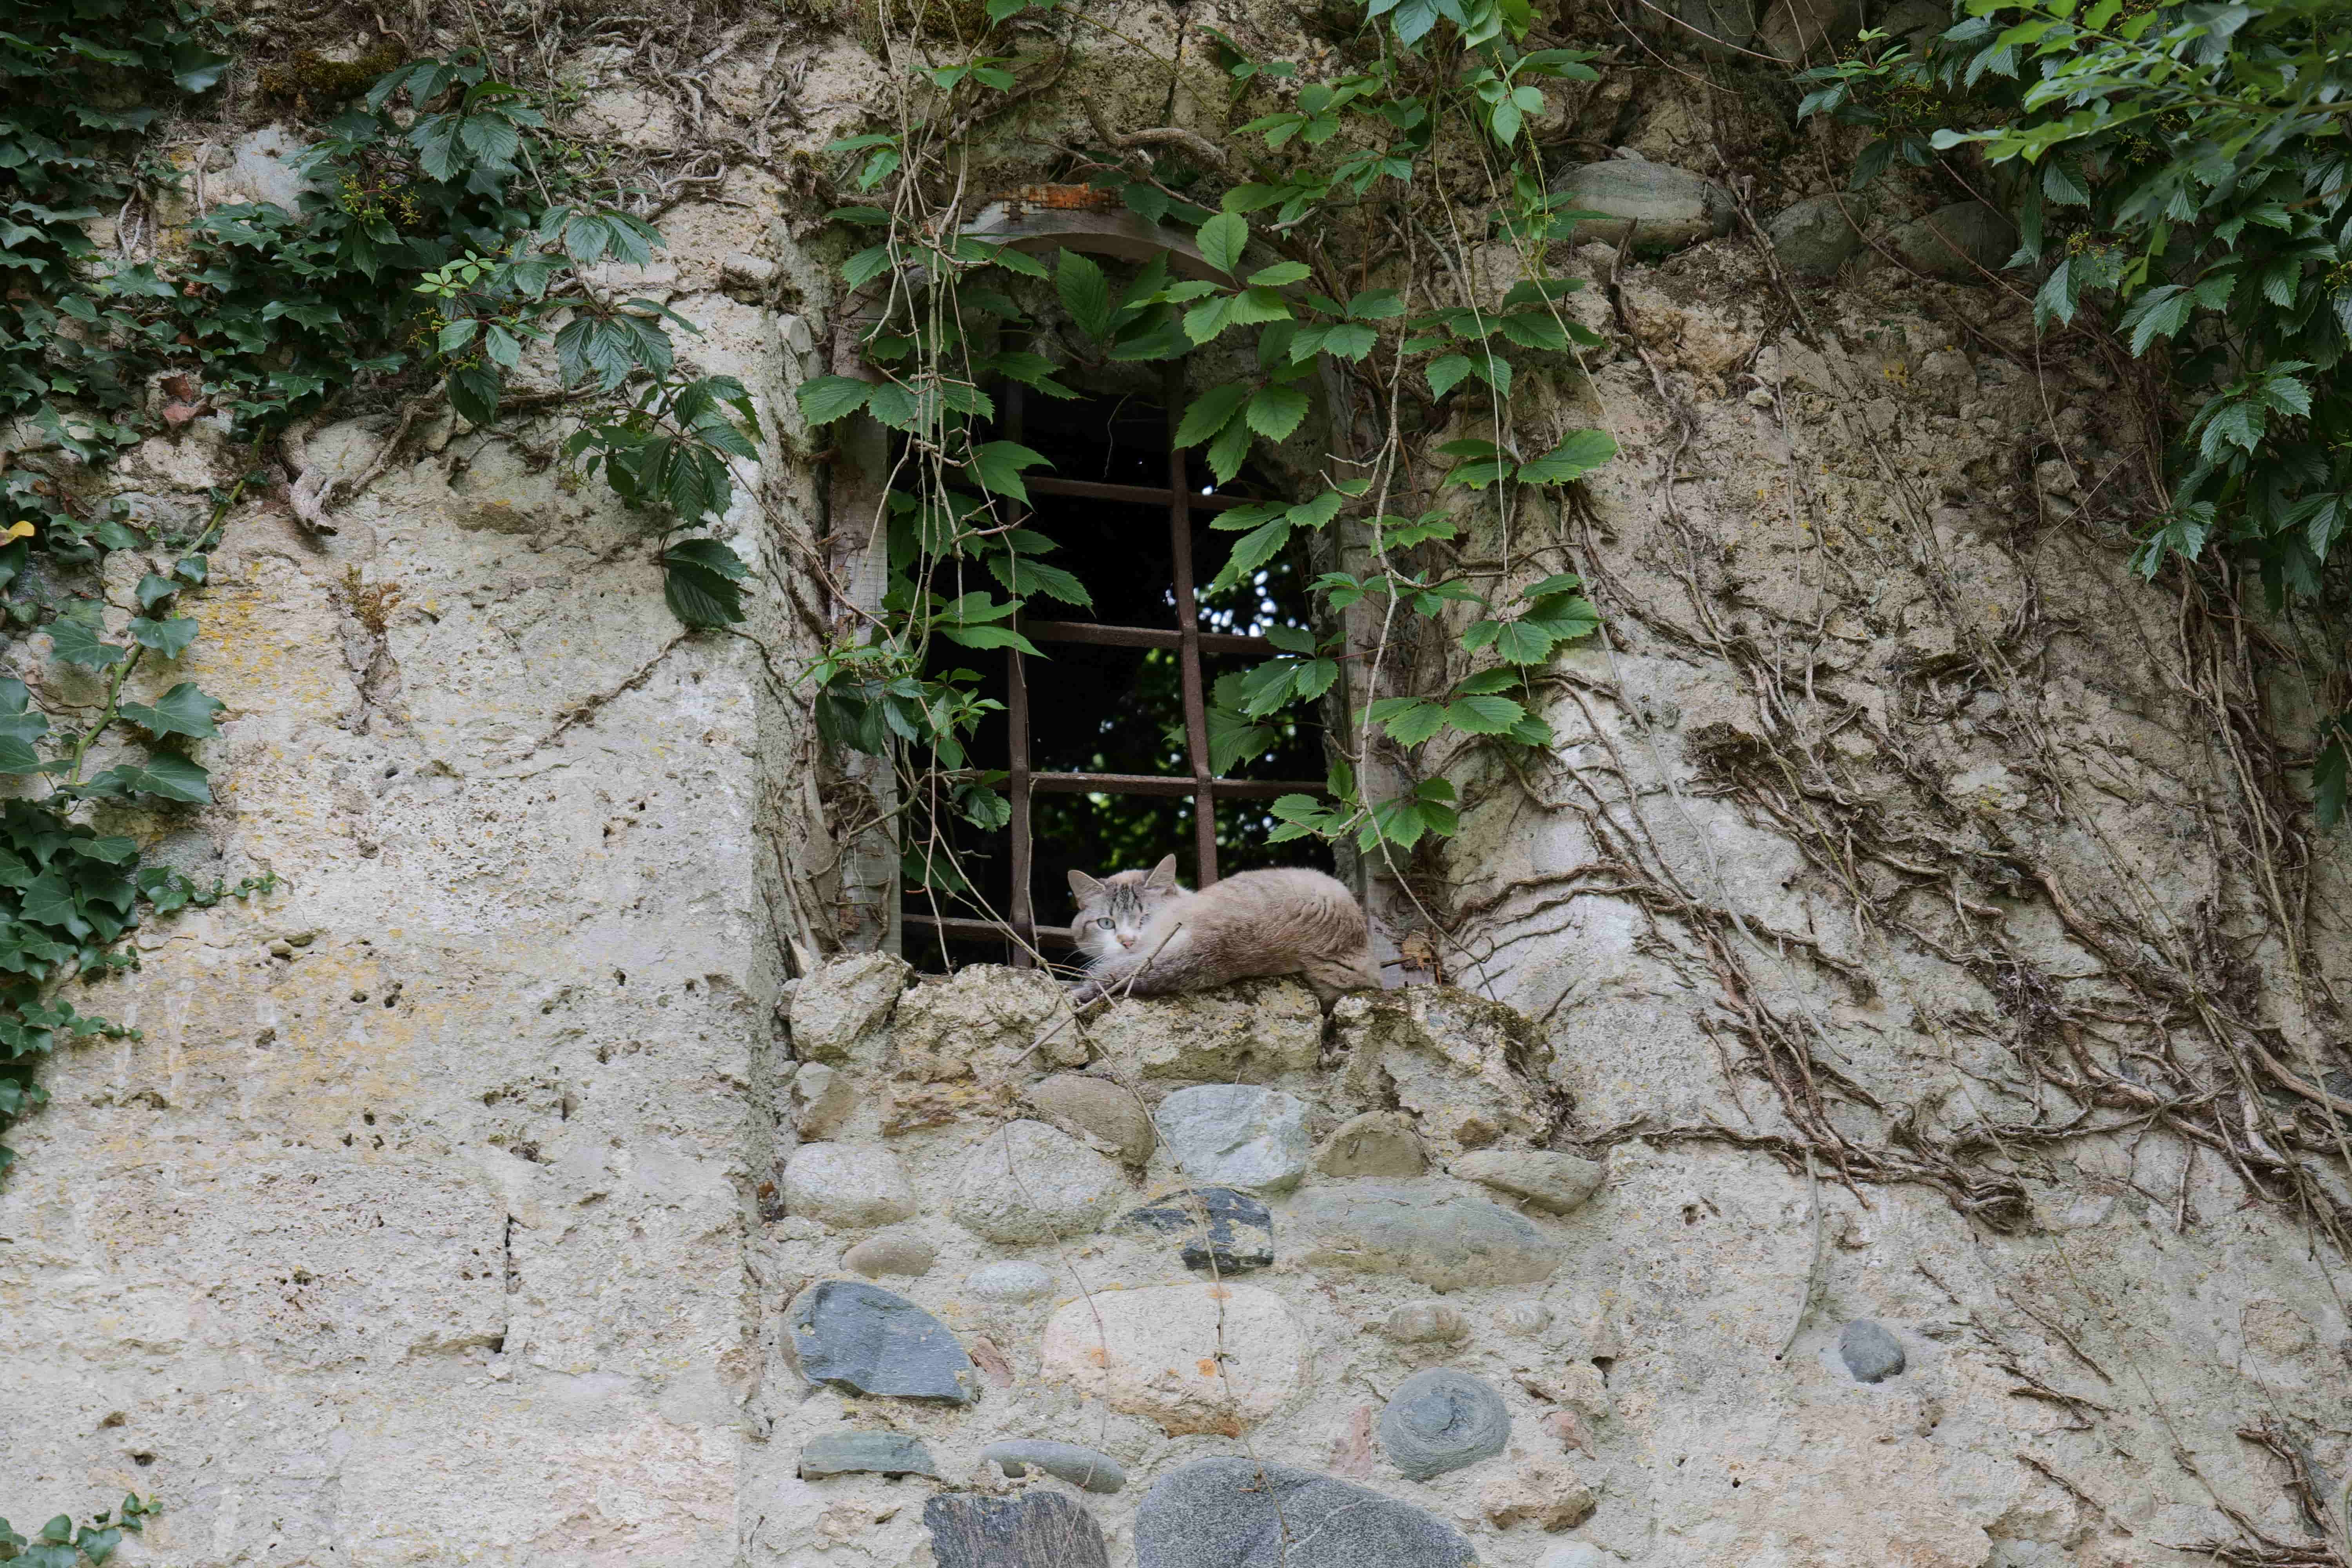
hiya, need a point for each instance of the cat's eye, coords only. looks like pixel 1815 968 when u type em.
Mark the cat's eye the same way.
pixel 1106 924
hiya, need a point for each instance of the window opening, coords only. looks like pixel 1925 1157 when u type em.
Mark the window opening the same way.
pixel 1106 743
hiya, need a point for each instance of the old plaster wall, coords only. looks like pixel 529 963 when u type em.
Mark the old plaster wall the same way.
pixel 458 1202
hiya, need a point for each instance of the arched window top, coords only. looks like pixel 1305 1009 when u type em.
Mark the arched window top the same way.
pixel 1073 218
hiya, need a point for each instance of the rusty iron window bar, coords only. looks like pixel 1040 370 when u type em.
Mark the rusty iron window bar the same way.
pixel 1188 642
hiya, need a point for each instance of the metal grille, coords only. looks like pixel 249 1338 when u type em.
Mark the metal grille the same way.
pixel 1188 642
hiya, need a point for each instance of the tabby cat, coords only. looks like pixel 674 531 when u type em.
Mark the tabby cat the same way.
pixel 1144 935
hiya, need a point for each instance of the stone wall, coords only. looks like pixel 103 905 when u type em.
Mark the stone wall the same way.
pixel 522 1181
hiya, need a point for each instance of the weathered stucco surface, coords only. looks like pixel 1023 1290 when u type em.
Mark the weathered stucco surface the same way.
pixel 448 1211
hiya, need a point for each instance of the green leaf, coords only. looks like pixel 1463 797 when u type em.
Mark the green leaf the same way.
pixel 1210 413
pixel 1483 715
pixel 1223 239
pixel 1581 452
pixel 701 583
pixel 996 466
pixel 171 639
pixel 76 642
pixel 830 397
pixel 1024 576
pixel 1252 551
pixel 154 590
pixel 1408 721
pixel 166 773
pixel 183 710
pixel 1085 291
pixel 1446 373
pixel 1279 274
pixel 990 637
pixel 1276 411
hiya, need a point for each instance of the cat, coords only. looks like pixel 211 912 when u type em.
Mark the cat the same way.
pixel 1144 935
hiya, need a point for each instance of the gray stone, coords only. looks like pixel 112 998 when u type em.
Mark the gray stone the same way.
pixel 850 1332
pixel 840 1010
pixel 1087 1468
pixel 1962 242
pixel 1239 1513
pixel 1446 1242
pixel 262 162
pixel 1010 1281
pixel 1425 1322
pixel 1807 32
pixel 1441 1420
pixel 1556 1183
pixel 909 1254
pixel 1036 1529
pixel 1377 1143
pixel 1579 1554
pixel 1715 28
pixel 1917 23
pixel 848 1185
pixel 822 1100
pixel 1030 1182
pixel 1099 1107
pixel 1224 1231
pixel 1816 236
pixel 1869 1351
pixel 1237 1135
pixel 1666 208
pixel 1250 1030
pixel 864 1453
pixel 1463 1066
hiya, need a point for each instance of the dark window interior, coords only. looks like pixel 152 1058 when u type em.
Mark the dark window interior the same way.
pixel 1117 710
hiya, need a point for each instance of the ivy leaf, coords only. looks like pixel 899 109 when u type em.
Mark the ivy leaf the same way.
pixel 154 590
pixel 1223 239
pixel 168 775
pixel 1274 410
pixel 1085 291
pixel 997 466
pixel 171 639
pixel 183 710
pixel 76 642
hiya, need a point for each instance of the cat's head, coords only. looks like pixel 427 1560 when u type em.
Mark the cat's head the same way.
pixel 1113 910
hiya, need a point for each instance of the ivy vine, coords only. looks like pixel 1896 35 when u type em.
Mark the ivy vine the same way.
pixel 449 244
pixel 1359 177
pixel 62 1544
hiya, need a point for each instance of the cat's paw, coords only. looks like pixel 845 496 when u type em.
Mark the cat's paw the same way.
pixel 1084 991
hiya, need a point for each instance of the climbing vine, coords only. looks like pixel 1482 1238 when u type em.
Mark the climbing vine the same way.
pixel 62 1544
pixel 450 249
pixel 2178 177
pixel 1325 281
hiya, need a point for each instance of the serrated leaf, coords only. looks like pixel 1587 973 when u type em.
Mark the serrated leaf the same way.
pixel 1210 413
pixel 1084 293
pixel 1581 452
pixel 1276 411
pixel 997 464
pixel 989 637
pixel 1483 714
pixel 1223 239
pixel 829 397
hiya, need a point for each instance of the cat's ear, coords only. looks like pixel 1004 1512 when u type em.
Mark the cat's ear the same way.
pixel 1163 877
pixel 1084 889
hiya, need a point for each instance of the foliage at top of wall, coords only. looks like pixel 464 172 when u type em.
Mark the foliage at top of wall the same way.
pixel 1347 165
pixel 2182 176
